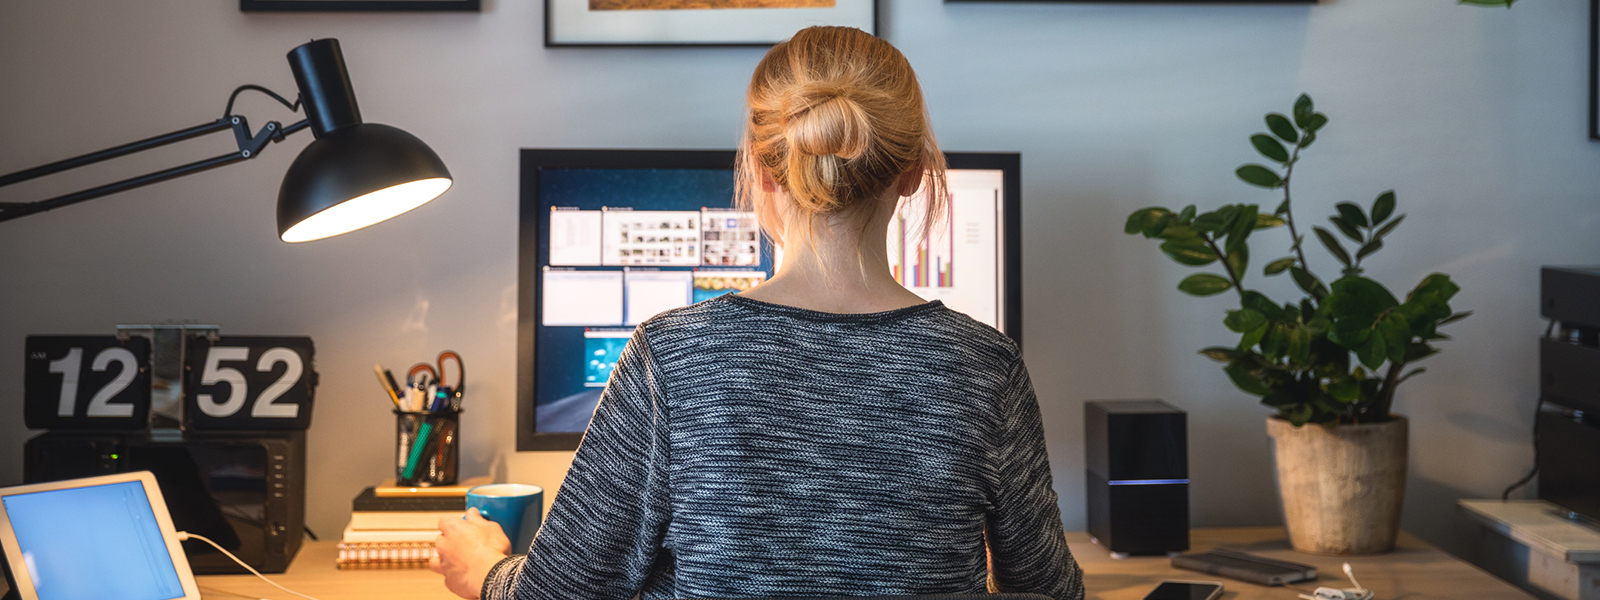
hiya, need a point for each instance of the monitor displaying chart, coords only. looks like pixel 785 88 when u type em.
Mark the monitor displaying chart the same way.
pixel 610 239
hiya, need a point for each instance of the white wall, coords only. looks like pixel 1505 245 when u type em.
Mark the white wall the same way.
pixel 1476 116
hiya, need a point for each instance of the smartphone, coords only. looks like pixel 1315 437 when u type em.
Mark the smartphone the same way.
pixel 1186 590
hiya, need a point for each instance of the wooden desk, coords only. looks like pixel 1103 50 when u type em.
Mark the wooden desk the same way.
pixel 1415 571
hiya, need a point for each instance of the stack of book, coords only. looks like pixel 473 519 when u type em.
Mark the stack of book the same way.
pixel 395 527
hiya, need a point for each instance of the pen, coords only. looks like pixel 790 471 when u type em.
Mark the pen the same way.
pixel 394 395
pixel 416 448
pixel 393 385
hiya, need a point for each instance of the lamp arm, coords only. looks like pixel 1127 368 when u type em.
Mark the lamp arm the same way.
pixel 249 147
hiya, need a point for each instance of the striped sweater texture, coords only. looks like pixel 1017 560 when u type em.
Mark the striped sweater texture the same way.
pixel 745 449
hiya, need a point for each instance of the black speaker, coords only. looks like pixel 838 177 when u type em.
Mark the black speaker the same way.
pixel 244 490
pixel 1137 463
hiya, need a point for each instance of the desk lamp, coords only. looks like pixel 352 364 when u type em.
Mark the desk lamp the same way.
pixel 353 175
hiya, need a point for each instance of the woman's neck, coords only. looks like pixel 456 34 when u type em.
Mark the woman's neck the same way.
pixel 840 267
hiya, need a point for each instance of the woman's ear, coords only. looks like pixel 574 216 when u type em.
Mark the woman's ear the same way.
pixel 767 184
pixel 909 182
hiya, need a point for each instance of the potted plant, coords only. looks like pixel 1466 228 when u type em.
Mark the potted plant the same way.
pixel 1331 358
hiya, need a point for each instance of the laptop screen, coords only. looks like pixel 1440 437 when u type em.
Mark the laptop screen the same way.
pixel 93 543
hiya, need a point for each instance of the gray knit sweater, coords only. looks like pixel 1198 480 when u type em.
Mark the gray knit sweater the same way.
pixel 748 449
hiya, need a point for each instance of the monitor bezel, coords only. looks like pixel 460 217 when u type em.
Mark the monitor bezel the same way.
pixel 533 160
pixel 20 580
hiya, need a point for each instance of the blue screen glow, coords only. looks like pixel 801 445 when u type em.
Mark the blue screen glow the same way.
pixel 93 543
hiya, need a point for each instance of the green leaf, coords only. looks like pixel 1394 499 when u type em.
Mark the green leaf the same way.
pixel 1455 317
pixel 1187 215
pixel 1333 245
pixel 1350 333
pixel 1283 207
pixel 1438 285
pixel 1352 213
pixel 1220 354
pixel 1266 221
pixel 1419 350
pixel 1414 372
pixel 1252 337
pixel 1189 250
pixel 1345 390
pixel 1243 223
pixel 1382 207
pixel 1260 303
pixel 1307 282
pixel 1373 352
pixel 1243 320
pixel 1272 344
pixel 1241 376
pixel 1259 176
pixel 1383 231
pixel 1347 229
pixel 1279 266
pixel 1269 147
pixel 1317 122
pixel 1298 415
pixel 1299 345
pixel 1211 222
pixel 1204 284
pixel 1239 260
pixel 1396 334
pixel 1282 128
pixel 1303 111
pixel 1149 221
pixel 1368 248
pixel 1361 299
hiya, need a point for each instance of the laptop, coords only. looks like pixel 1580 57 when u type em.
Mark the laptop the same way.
pixel 99 538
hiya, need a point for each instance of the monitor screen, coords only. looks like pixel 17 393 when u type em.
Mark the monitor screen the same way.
pixel 92 543
pixel 612 238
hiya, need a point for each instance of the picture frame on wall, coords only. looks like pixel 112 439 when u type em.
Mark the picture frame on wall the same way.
pixel 1594 70
pixel 359 5
pixel 696 22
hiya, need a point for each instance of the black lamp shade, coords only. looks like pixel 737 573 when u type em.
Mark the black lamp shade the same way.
pixel 356 176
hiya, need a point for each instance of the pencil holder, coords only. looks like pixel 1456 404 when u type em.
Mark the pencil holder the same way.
pixel 427 448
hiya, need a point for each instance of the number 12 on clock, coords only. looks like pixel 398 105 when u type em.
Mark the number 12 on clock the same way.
pixel 86 382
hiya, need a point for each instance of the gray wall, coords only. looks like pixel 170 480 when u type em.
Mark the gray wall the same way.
pixel 1476 116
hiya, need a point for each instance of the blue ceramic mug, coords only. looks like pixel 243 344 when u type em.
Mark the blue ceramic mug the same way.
pixel 516 507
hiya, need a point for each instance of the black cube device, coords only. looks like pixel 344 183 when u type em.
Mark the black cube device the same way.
pixel 1568 437
pixel 1137 463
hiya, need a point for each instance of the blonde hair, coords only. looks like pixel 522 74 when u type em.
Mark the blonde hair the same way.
pixel 836 117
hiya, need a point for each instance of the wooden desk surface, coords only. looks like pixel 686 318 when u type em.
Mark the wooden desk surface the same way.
pixel 1414 571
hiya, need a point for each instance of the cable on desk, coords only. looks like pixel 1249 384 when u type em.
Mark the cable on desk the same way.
pixel 184 535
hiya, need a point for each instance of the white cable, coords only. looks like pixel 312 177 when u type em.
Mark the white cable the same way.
pixel 184 535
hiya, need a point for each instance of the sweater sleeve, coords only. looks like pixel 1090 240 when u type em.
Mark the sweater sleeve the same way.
pixel 605 527
pixel 1025 535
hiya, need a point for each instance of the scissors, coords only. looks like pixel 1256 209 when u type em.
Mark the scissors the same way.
pixel 434 375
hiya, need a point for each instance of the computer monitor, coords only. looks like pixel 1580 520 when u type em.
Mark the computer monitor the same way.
pixel 610 238
pixel 92 539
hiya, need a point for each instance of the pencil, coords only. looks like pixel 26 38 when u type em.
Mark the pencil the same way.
pixel 394 396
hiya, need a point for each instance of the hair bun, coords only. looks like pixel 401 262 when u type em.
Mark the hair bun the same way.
pixel 822 119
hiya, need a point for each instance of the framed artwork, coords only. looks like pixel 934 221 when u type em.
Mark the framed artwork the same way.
pixel 358 5
pixel 1594 70
pixel 696 22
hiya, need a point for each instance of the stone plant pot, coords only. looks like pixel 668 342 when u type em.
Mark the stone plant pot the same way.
pixel 1341 488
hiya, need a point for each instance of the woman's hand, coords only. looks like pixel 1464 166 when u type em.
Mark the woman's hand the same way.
pixel 467 549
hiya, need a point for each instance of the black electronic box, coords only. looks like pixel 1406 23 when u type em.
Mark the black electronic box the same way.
pixel 1138 476
pixel 244 490
pixel 1569 383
